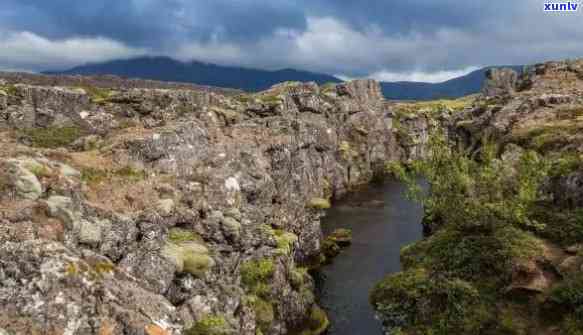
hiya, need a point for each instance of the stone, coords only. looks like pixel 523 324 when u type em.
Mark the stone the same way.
pixel 26 184
pixel 68 171
pixel 342 236
pixel 90 232
pixel 165 207
pixel 500 82
pixel 189 257
pixel 231 227
pixel 61 208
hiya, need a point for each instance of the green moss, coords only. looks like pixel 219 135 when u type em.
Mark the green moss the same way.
pixel 319 203
pixel 10 90
pixel 317 323
pixel 297 277
pixel 257 272
pixel 39 170
pixel 189 257
pixel 177 235
pixel 341 236
pixel 264 312
pixel 346 151
pixel 98 95
pixel 210 325
pixel 285 240
pixel 52 137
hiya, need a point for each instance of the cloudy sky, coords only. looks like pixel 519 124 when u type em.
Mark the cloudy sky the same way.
pixel 425 40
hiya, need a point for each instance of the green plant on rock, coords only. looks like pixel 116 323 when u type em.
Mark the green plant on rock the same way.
pixel 414 300
pixel 98 95
pixel 285 240
pixel 10 90
pixel 256 276
pixel 52 137
pixel 178 235
pixel 210 325
pixel 317 323
pixel 264 312
pixel 319 203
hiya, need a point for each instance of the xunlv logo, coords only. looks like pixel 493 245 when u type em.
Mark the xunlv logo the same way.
pixel 562 6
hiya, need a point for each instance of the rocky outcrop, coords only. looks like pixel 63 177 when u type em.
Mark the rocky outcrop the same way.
pixel 154 211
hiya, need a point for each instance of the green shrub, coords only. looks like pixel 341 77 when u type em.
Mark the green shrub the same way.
pixel 414 300
pixel 52 137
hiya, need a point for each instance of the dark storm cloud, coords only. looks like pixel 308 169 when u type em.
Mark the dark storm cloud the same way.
pixel 152 23
pixel 384 38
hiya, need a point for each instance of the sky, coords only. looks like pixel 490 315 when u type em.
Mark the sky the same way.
pixel 421 40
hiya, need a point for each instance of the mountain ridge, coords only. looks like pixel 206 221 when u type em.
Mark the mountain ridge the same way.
pixel 254 80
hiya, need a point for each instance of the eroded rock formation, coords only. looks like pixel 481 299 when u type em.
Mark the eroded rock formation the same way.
pixel 155 211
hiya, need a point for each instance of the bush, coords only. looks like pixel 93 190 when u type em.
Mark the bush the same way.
pixel 413 300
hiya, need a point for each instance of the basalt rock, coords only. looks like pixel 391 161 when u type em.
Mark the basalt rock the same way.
pixel 143 221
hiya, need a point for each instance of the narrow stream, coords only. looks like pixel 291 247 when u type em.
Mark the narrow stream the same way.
pixel 382 220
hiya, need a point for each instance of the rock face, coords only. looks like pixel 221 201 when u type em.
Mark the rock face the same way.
pixel 500 82
pixel 155 211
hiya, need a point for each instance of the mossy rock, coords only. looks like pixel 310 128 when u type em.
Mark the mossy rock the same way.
pixel 210 325
pixel 257 271
pixel 178 235
pixel 317 323
pixel 189 257
pixel 342 237
pixel 285 241
pixel 264 312
pixel 319 203
pixel 330 249
pixel 52 137
pixel 9 90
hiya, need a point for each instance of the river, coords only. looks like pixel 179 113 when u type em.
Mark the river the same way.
pixel 382 220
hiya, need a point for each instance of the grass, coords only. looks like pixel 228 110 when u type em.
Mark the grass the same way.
pixel 95 176
pixel 52 137
pixel 433 106
pixel 98 95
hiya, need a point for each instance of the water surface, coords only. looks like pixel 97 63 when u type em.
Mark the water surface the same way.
pixel 382 220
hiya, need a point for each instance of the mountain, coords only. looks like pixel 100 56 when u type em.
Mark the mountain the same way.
pixel 453 88
pixel 253 80
pixel 168 69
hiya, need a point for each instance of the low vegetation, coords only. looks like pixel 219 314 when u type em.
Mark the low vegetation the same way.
pixel 51 137
pixel 480 214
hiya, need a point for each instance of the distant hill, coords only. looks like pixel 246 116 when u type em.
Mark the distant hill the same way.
pixel 253 80
pixel 168 69
pixel 453 88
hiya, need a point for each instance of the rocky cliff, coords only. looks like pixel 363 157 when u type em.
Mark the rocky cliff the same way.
pixel 171 211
